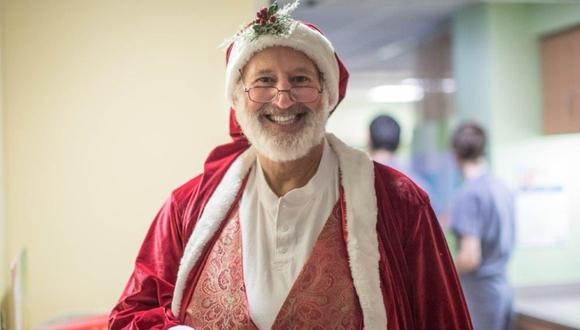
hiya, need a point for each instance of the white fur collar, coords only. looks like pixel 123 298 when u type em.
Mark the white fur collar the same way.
pixel 214 212
pixel 358 181
pixel 357 175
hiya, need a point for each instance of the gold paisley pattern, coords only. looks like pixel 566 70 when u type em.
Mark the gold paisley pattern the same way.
pixel 219 299
pixel 323 296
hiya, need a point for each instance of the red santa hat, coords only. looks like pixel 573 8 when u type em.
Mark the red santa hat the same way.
pixel 275 27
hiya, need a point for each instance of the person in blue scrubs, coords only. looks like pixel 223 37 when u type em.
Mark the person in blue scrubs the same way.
pixel 482 219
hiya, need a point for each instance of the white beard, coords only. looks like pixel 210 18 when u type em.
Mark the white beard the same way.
pixel 282 146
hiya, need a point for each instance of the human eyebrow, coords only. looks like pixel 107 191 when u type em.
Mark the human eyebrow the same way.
pixel 304 75
pixel 303 70
pixel 263 72
pixel 260 76
pixel 313 74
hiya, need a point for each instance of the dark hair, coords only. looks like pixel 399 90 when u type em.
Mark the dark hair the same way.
pixel 385 133
pixel 468 141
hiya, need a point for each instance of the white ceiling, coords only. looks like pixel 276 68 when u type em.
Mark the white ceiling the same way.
pixel 377 37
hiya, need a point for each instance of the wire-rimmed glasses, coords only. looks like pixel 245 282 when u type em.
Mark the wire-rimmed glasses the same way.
pixel 267 94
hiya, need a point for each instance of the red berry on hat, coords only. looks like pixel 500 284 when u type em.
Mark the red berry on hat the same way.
pixel 273 19
pixel 262 22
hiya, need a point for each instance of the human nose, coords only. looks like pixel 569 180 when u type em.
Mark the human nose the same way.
pixel 283 100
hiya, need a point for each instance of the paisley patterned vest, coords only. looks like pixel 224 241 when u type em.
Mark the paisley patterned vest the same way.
pixel 322 297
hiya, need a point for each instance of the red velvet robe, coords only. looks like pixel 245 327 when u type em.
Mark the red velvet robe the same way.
pixel 418 282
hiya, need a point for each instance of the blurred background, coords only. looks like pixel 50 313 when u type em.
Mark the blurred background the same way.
pixel 106 106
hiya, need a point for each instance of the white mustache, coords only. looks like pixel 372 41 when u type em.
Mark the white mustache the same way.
pixel 271 110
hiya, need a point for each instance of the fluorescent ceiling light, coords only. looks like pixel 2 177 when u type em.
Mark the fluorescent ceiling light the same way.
pixel 448 86
pixel 395 93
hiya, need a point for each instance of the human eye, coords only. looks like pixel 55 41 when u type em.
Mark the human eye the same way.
pixel 264 81
pixel 300 80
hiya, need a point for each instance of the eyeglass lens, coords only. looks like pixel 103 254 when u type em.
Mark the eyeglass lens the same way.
pixel 297 94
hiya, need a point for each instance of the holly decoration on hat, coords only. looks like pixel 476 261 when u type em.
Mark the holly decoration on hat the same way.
pixel 269 21
pixel 266 21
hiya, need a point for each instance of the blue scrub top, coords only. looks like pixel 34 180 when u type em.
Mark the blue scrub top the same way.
pixel 484 208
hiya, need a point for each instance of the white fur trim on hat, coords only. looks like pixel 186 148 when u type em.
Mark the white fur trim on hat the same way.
pixel 303 38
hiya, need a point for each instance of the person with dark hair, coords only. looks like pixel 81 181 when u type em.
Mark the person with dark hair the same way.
pixel 469 142
pixel 385 134
pixel 385 137
pixel 482 219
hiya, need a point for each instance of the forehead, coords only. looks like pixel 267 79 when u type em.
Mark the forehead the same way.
pixel 276 59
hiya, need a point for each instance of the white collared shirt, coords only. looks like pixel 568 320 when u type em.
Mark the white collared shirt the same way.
pixel 278 234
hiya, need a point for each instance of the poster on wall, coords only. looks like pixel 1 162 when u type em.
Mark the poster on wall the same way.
pixel 542 216
pixel 542 205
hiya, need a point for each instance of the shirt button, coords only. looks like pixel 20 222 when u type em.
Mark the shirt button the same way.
pixel 284 228
pixel 283 250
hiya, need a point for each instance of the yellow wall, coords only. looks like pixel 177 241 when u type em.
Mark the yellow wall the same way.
pixel 108 106
pixel 3 245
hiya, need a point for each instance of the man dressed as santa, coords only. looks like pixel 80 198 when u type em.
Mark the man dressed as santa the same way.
pixel 287 227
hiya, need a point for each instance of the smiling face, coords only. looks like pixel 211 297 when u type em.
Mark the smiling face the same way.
pixel 282 129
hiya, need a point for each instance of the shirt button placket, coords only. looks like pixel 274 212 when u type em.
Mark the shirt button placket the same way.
pixel 282 228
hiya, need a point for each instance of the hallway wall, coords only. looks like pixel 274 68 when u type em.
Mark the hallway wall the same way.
pixel 3 224
pixel 108 106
